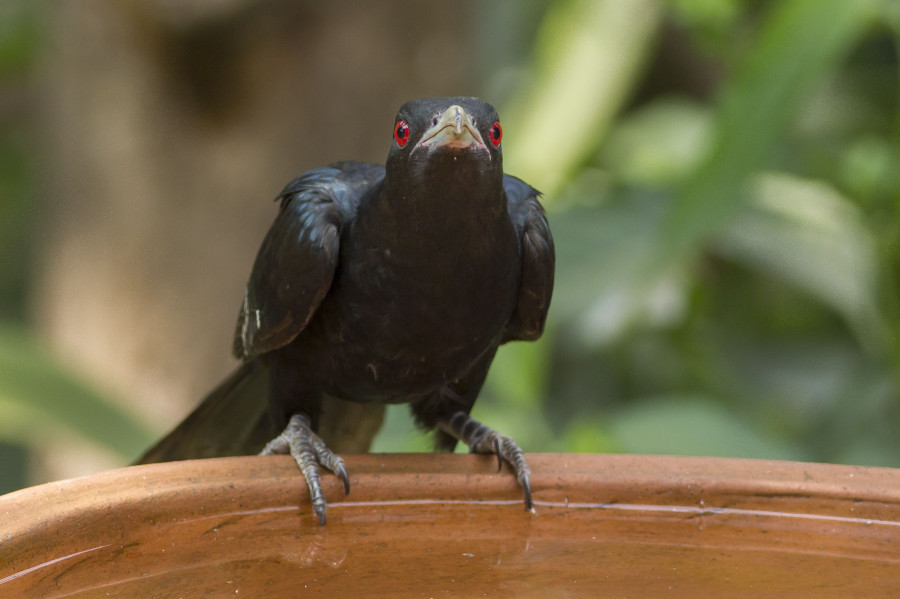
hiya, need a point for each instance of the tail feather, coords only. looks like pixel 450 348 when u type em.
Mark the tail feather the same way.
pixel 231 420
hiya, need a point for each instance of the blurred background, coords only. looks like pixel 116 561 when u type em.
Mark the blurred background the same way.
pixel 722 178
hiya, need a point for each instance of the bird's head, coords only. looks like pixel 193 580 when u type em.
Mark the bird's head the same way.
pixel 457 138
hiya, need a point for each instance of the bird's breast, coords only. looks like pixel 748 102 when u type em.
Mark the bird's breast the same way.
pixel 411 312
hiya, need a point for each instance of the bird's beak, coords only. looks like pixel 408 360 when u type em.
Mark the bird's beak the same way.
pixel 452 129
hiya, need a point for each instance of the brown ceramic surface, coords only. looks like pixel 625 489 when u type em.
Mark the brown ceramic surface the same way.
pixel 450 526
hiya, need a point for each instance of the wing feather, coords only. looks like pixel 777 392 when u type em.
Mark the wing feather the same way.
pixel 537 261
pixel 298 257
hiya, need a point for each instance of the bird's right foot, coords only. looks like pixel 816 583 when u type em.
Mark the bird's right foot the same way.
pixel 309 451
pixel 483 439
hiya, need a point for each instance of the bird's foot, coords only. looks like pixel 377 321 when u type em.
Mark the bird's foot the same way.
pixel 483 439
pixel 308 450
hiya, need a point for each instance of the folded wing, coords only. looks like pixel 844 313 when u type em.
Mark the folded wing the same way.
pixel 537 261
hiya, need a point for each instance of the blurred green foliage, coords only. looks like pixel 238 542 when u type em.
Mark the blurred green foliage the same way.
pixel 723 182
pixel 39 397
pixel 19 39
pixel 37 393
pixel 727 253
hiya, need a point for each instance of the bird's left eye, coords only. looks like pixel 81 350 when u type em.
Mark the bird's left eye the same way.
pixel 401 133
pixel 495 133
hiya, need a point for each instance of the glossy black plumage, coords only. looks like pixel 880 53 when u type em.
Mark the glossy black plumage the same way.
pixel 379 285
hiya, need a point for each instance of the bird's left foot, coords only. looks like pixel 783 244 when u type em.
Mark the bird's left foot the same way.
pixel 483 439
pixel 309 451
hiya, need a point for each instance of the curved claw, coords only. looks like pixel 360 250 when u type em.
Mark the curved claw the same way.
pixel 329 460
pixel 341 472
pixel 526 488
pixel 498 449
pixel 483 439
pixel 309 451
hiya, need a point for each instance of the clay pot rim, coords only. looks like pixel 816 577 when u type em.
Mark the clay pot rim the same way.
pixel 593 479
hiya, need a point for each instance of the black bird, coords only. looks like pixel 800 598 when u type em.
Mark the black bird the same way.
pixel 380 285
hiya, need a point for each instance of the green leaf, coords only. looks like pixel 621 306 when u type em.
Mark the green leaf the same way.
pixel 811 236
pixel 519 373
pixel 587 57
pixel 600 279
pixel 659 144
pixel 690 425
pixel 36 393
pixel 799 41
pixel 588 436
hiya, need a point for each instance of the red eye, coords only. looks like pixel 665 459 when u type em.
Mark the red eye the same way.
pixel 495 133
pixel 401 133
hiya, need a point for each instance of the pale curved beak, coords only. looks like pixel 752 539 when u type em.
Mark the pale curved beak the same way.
pixel 453 129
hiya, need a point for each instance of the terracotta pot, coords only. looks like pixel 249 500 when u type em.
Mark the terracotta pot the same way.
pixel 450 525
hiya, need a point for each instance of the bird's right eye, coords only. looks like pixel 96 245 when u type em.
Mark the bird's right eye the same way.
pixel 401 133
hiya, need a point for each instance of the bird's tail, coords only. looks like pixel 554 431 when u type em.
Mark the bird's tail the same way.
pixel 231 420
